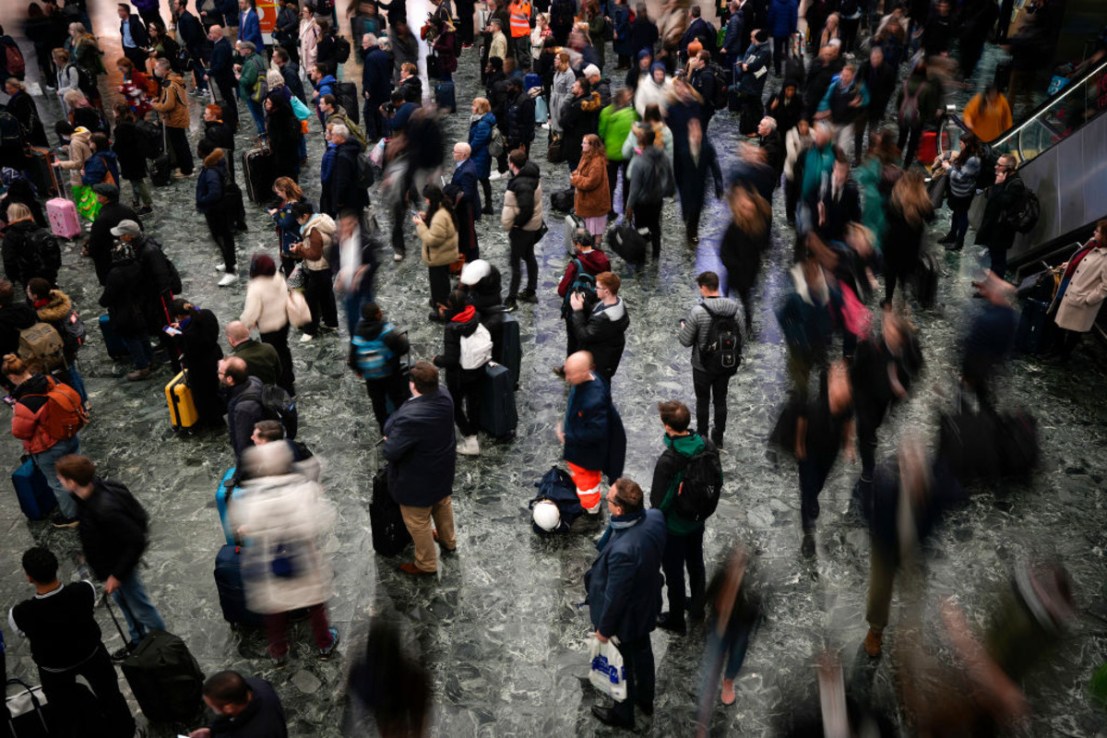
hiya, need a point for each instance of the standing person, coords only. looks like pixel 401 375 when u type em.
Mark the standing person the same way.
pixel 190 32
pixel 244 707
pixel 561 91
pixel 709 383
pixel 917 106
pixel 132 34
pixel 288 194
pixel 746 240
pixel 212 201
pixel 309 37
pixel 519 13
pixel 376 85
pixel 616 122
pixel 988 114
pixel 22 106
pixel 261 359
pixel 1081 292
pixel 283 135
pixel 624 595
pixel 463 382
pixel 908 212
pixel 243 393
pixel 221 74
pixel 783 19
pixel 989 340
pixel 126 309
pixel 60 623
pixel 266 309
pixel 201 354
pixel 47 417
pixel 317 232
pixel 129 149
pixel 878 77
pixel 591 431
pixel 249 25
pixel 422 456
pixel 684 542
pixel 696 167
pixel 522 218
pixel 29 250
pixel 750 76
pixel 590 261
pixel 997 231
pixel 439 243
pixel 284 514
pixel 114 535
pixel 252 82
pixel 376 349
pixel 651 180
pixel 481 125
pixel 962 170
pixel 600 329
pixel 172 107
pixel 591 194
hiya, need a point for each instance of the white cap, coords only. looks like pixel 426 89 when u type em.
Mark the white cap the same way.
pixel 591 71
pixel 475 271
pixel 546 515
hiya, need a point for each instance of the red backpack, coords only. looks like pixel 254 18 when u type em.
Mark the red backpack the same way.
pixel 63 414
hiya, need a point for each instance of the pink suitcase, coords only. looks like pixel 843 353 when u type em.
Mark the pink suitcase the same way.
pixel 62 215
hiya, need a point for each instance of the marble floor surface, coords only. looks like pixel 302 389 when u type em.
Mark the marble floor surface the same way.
pixel 501 627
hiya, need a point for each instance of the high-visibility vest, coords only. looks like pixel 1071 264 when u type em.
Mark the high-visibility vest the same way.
pixel 520 18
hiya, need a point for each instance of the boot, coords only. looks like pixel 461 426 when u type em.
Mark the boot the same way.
pixel 948 238
pixel 956 245
pixel 873 642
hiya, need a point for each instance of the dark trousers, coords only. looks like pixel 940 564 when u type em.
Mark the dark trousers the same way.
pixel 219 223
pixel 791 198
pixel 648 215
pixel 228 102
pixel 959 221
pixel 812 473
pixel 152 16
pixel 399 208
pixel 998 257
pixel 439 277
pixel 178 140
pixel 638 662
pixel 522 249
pixel 486 186
pixel 319 293
pixel 66 704
pixel 893 273
pixel 780 52
pixel 466 394
pixel 381 391
pixel 909 142
pixel 707 387
pixel 872 123
pixel 279 341
pixel 197 68
pixel 680 552
pixel 848 28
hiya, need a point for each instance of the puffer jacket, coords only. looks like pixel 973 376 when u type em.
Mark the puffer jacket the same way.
pixel 99 166
pixel 266 304
pixel 209 185
pixel 614 127
pixel 439 240
pixel 523 200
pixel 591 195
pixel 694 331
pixel 603 333
pixel 80 149
pixel 480 135
pixel 29 408
pixel 172 103
pixel 22 261
pixel 462 325
pixel 579 117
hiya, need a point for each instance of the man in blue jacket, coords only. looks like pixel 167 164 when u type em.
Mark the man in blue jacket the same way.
pixel 591 431
pixel 783 18
pixel 624 595
pixel 249 25
pixel 421 450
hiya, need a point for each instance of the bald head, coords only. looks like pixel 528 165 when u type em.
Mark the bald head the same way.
pixel 462 151
pixel 237 332
pixel 215 33
pixel 578 367
pixel 233 372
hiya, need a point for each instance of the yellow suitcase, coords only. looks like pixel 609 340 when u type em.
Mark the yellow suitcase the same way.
pixel 182 410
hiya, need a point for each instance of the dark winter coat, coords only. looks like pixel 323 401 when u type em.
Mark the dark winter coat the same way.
pixel 579 117
pixel 466 176
pixel 209 185
pixel 587 424
pixel 199 341
pixel 112 530
pixel 13 319
pixel 602 332
pixel 220 135
pixel 284 133
pixel 819 77
pixel 100 240
pixel 262 361
pixel 643 34
pixel 996 229
pixel 480 135
pixel 693 176
pixel 751 81
pixel 262 718
pixel 741 254
pixel 23 261
pixel 520 120
pixel 22 106
pixel 463 325
pixel 624 583
pixel 345 192
pixel 420 447
pixel 783 17
pixel 376 77
pixel 124 303
pixel 99 166
pixel 396 342
pixel 787 113
pixel 130 151
pixel 668 474
pixel 244 409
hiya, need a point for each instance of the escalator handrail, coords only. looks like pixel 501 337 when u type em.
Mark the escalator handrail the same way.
pixel 1047 104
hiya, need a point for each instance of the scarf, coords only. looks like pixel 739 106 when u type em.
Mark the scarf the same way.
pixel 620 522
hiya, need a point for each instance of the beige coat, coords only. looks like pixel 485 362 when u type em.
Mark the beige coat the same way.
pixel 285 510
pixel 439 240
pixel 511 209
pixel 80 149
pixel 309 41
pixel 1085 294
pixel 266 304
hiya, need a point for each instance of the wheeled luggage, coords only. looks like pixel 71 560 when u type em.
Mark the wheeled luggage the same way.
pixel 926 280
pixel 182 409
pixel 445 96
pixel 345 94
pixel 498 416
pixel 510 348
pixel 40 170
pixel 163 675
pixel 36 499
pixel 161 171
pixel 112 342
pixel 224 496
pixel 258 171
pixel 928 148
pixel 562 200
pixel 62 214
pixel 1033 334
pixel 232 591
pixel 390 535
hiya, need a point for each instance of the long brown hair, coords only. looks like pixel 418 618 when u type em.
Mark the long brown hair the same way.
pixel 910 197
pixel 754 220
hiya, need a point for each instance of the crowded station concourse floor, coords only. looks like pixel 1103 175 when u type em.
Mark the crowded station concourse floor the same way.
pixel 501 627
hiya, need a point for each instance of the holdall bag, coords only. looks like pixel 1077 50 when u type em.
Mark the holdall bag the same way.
pixel 345 94
pixel 554 154
pixel 390 535
pixel 36 499
pixel 297 308
pixel 607 672
pixel 628 242
pixel 562 200
pixel 27 711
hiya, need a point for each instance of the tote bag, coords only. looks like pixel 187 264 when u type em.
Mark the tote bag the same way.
pixel 607 674
pixel 299 314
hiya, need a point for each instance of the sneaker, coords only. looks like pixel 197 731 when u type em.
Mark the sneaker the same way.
pixel 397 256
pixel 469 446
pixel 874 640
pixel 60 521
pixel 326 652
pixel 220 267
pixel 144 210
pixel 306 338
pixel 510 306
pixel 495 175
pixel 228 279
pixel 527 296
pixel 139 374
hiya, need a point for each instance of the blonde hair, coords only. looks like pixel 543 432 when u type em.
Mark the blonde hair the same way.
pixel 482 105
pixel 910 197
pixel 74 98
pixel 17 212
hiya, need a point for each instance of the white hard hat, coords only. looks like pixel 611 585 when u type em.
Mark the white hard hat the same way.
pixel 475 271
pixel 546 515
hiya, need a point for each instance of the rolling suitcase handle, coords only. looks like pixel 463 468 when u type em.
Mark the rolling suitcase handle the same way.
pixel 36 705
pixel 111 612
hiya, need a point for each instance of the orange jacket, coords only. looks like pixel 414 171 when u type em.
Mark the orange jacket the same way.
pixel 28 411
pixel 519 12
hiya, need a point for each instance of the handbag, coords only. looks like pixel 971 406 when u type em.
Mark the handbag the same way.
pixel 297 309
pixel 856 317
pixel 434 66
pixel 554 155
pixel 607 673
pixel 937 188
pixel 303 112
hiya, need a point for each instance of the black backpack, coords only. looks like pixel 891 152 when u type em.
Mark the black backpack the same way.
pixel 86 81
pixel 722 90
pixel 277 405
pixel 722 349
pixel 702 485
pixel 1026 213
pixel 341 49
pixel 45 251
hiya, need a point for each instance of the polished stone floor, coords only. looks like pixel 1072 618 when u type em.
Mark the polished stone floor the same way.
pixel 501 628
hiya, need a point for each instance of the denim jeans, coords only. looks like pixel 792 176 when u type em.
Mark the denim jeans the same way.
pixel 46 460
pixel 258 114
pixel 139 349
pixel 726 652
pixel 141 615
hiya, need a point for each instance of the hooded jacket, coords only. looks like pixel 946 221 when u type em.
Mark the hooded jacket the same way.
pixel 209 185
pixel 244 410
pixel 520 120
pixel 99 166
pixel 346 194
pixel 668 473
pixel 370 330
pixel 172 103
pixel 651 178
pixel 480 135
pixel 602 332
pixel 27 414
pixel 112 531
pixel 523 200
pixel 462 325
pixel 594 262
pixel 129 150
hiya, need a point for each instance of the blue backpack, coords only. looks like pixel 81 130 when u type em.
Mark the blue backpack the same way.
pixel 557 486
pixel 374 358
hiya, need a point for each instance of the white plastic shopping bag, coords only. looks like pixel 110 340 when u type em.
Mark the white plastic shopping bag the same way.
pixel 608 674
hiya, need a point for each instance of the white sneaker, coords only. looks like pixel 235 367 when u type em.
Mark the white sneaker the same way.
pixel 495 175
pixel 306 338
pixel 228 279
pixel 397 256
pixel 220 267
pixel 469 446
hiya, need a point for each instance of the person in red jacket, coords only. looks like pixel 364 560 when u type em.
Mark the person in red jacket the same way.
pixel 593 262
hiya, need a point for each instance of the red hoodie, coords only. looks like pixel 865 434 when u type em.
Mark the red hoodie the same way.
pixel 594 262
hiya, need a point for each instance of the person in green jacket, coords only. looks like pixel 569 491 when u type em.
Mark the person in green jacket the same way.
pixel 616 121
pixel 684 544
pixel 876 176
pixel 252 86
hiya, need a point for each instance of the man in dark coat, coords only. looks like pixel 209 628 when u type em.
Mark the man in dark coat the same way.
pixel 520 117
pixel 376 86
pixel 879 78
pixel 768 138
pixel 465 176
pixel 591 431
pixel 113 531
pixel 750 76
pixel 346 194
pixel 601 330
pixel 419 445
pixel 244 404
pixel 190 33
pixel 221 72
pixel 698 29
pixel 732 48
pixel 133 36
pixel 996 231
pixel 624 595
pixel 643 31
pixel 245 707
pixel 100 239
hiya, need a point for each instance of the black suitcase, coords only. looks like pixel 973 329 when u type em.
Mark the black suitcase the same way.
pixel 445 97
pixel 926 280
pixel 1034 335
pixel 625 240
pixel 390 535
pixel 498 417
pixel 562 200
pixel 510 349
pixel 161 171
pixel 40 163
pixel 232 591
pixel 153 142
pixel 345 94
pixel 258 171
pixel 163 675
